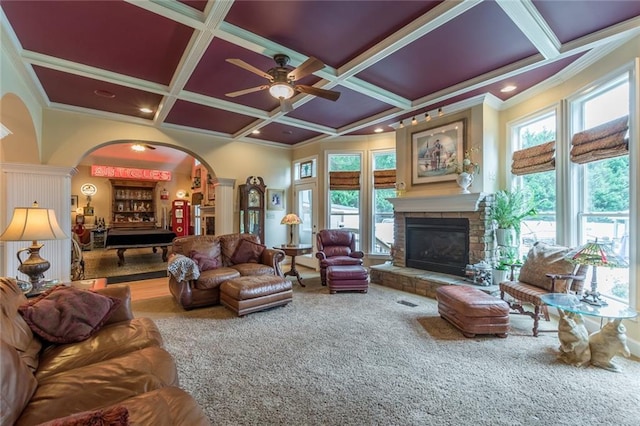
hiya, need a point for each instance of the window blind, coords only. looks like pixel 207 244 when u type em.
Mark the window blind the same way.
pixel 344 180
pixel 607 140
pixel 384 179
pixel 539 158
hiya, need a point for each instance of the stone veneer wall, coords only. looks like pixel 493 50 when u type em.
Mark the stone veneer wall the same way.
pixel 481 239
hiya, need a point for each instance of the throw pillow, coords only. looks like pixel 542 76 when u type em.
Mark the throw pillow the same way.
pixel 203 260
pixel 68 314
pixel 544 259
pixel 112 416
pixel 247 252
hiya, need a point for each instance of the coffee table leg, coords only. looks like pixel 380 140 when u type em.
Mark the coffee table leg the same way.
pixel 121 256
pixel 294 272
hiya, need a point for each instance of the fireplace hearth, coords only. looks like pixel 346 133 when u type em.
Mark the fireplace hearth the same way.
pixel 437 244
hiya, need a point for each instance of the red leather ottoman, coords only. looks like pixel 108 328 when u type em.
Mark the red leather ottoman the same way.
pixel 347 278
pixel 245 295
pixel 473 311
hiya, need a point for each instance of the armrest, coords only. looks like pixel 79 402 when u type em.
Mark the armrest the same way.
pixel 320 255
pixel 555 277
pixel 357 254
pixel 122 292
pixel 273 258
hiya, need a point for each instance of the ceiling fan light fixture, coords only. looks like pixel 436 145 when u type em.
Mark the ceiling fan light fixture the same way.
pixel 281 90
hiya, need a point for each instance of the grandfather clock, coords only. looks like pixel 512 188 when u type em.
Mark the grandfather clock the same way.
pixel 252 206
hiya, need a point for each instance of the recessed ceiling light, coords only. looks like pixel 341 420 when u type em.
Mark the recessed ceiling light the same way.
pixel 138 147
pixel 507 89
pixel 256 132
pixel 378 130
pixel 146 110
pixel 104 93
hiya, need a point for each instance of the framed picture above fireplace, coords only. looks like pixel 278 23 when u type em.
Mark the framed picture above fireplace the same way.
pixel 436 152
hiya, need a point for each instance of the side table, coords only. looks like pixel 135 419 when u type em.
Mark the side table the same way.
pixel 577 347
pixel 294 251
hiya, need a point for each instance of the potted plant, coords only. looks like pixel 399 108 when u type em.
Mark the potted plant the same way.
pixel 509 208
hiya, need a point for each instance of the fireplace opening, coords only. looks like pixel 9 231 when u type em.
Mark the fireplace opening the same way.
pixel 437 244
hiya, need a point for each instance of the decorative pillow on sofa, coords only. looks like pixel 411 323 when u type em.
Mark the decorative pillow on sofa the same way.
pixel 204 261
pixel 112 416
pixel 68 314
pixel 545 259
pixel 247 252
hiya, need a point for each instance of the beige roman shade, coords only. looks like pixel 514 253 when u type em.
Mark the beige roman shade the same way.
pixel 384 179
pixel 607 140
pixel 344 180
pixel 539 158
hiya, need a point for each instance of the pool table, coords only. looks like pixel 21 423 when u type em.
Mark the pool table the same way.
pixel 123 239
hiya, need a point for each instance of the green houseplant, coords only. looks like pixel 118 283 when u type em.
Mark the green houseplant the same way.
pixel 509 208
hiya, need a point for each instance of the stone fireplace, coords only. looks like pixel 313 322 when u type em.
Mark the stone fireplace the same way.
pixel 472 207
pixel 454 215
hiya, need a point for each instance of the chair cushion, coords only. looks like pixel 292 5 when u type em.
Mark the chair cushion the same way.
pixel 545 259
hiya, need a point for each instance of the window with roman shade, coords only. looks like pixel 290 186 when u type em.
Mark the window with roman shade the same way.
pixel 344 180
pixel 535 159
pixel 607 140
pixel 384 179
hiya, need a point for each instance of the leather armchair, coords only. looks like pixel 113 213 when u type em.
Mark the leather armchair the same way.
pixel 336 247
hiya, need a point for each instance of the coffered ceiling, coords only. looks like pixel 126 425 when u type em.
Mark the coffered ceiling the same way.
pixel 390 60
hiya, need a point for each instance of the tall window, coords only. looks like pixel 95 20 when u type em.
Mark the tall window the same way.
pixel 384 179
pixel 344 191
pixel 535 138
pixel 603 186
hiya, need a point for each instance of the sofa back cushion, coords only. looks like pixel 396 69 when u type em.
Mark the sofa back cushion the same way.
pixel 545 259
pixel 229 244
pixel 13 328
pixel 17 385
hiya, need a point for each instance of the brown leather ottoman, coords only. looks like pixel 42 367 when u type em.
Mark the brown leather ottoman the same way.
pixel 347 278
pixel 473 311
pixel 245 295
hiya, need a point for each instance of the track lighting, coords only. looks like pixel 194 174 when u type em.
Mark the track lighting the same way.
pixel 401 124
pixel 427 117
pixel 414 121
pixel 440 113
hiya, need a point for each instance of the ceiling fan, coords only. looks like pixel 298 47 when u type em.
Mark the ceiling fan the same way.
pixel 282 80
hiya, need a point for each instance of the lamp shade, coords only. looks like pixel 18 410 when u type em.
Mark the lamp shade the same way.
pixel 291 219
pixel 595 254
pixel 33 223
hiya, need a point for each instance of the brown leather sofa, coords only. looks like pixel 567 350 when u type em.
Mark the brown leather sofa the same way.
pixel 122 367
pixel 205 290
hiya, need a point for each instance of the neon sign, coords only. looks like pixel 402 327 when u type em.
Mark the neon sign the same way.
pixel 129 173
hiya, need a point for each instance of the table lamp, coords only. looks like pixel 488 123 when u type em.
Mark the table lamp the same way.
pixel 32 224
pixel 595 254
pixel 291 219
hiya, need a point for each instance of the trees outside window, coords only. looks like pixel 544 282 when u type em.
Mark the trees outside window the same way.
pixel 344 192
pixel 382 209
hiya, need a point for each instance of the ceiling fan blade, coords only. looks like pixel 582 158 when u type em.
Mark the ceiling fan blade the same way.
pixel 245 91
pixel 286 105
pixel 309 66
pixel 315 91
pixel 242 64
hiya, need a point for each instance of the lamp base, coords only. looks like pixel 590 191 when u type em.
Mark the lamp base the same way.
pixel 593 298
pixel 34 266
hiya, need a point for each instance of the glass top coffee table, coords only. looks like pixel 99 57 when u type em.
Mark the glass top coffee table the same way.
pixel 579 348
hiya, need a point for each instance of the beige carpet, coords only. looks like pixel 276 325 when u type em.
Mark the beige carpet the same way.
pixel 104 263
pixel 366 359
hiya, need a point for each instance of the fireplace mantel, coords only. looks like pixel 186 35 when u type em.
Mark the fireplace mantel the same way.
pixel 439 203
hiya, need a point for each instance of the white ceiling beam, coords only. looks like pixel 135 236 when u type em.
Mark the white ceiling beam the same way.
pixel 528 20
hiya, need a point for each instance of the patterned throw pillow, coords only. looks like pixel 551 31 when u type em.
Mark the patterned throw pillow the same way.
pixel 545 259
pixel 112 416
pixel 247 252
pixel 68 314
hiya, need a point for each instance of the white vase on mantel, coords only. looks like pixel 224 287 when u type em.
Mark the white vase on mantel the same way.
pixel 464 181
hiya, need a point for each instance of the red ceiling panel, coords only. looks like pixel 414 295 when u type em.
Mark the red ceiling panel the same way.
pixel 113 35
pixel 199 116
pixel 64 88
pixel 453 53
pixel 332 31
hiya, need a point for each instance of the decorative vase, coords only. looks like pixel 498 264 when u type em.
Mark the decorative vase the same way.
pixel 464 181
